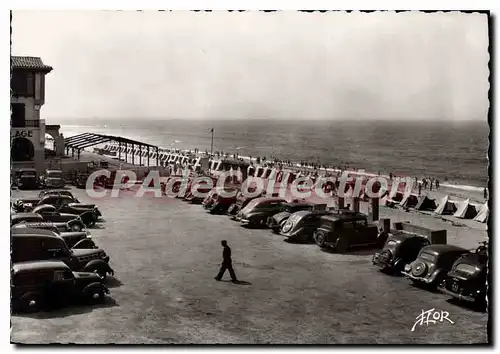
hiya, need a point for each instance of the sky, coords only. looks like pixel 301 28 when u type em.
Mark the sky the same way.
pixel 280 65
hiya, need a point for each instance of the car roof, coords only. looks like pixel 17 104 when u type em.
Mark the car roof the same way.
pixel 38 265
pixel 25 215
pixel 48 234
pixel 442 248
pixel 31 231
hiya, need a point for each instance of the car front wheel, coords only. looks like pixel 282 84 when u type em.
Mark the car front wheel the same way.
pixel 320 238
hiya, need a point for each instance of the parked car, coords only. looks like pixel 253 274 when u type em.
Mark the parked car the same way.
pixel 36 246
pixel 400 249
pixel 75 224
pixel 52 179
pixel 50 213
pixel 25 178
pixel 467 279
pixel 197 196
pixel 241 202
pixel 344 230
pixel 258 210
pixel 276 221
pixel 62 203
pixel 25 217
pixel 301 225
pixel 66 192
pixel 36 284
pixel 80 239
pixel 215 203
pixel 432 264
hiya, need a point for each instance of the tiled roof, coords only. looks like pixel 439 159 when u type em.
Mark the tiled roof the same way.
pixel 30 63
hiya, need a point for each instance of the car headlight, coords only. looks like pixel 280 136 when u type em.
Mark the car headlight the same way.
pixel 407 267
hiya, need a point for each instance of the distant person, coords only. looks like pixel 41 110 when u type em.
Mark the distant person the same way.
pixel 430 184
pixel 390 175
pixel 227 263
pixel 419 188
pixel 485 193
pixel 437 183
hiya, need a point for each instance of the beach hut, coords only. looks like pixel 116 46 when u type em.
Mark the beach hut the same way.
pixel 445 206
pixel 385 201
pixel 465 210
pixel 425 203
pixel 409 201
pixel 483 214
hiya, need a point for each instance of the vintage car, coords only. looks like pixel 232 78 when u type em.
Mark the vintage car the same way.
pixel 36 285
pixel 241 202
pixel 25 178
pixel 400 249
pixel 197 196
pixel 81 239
pixel 432 264
pixel 36 246
pixel 66 192
pixel 52 179
pixel 50 213
pixel 216 203
pixel 301 225
pixel 256 212
pixel 467 279
pixel 25 217
pixel 75 224
pixel 276 221
pixel 63 204
pixel 344 230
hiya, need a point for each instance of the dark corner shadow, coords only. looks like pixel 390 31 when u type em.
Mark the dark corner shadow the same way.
pixel 71 310
pixel 467 305
pixel 112 282
pixel 238 282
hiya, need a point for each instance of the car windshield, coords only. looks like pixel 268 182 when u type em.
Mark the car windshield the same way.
pixel 428 256
pixel 296 217
pixel 54 174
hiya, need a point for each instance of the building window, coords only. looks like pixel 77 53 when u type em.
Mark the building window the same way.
pixel 22 83
pixel 18 115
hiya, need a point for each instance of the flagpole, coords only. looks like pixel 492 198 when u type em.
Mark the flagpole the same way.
pixel 211 151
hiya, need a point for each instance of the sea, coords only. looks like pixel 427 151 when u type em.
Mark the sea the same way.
pixel 456 153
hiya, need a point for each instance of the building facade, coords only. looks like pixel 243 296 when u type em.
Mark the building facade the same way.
pixel 27 97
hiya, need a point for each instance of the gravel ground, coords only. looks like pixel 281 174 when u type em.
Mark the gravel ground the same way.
pixel 166 253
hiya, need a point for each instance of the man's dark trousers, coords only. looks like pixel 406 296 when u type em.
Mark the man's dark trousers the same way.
pixel 229 267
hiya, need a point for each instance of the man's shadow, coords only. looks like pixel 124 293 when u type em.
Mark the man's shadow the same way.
pixel 238 282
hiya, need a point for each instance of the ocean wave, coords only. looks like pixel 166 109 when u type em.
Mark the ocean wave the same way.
pixel 463 187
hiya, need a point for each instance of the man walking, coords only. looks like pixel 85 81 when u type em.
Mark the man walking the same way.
pixel 226 263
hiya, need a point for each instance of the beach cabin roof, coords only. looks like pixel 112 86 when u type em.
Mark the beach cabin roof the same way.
pixel 445 206
pixel 465 210
pixel 425 203
pixel 483 214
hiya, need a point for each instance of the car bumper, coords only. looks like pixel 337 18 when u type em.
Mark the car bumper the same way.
pixel 458 296
pixel 244 221
pixel 426 280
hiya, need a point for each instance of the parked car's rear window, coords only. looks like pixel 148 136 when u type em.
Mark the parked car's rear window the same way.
pixel 428 256
pixel 467 268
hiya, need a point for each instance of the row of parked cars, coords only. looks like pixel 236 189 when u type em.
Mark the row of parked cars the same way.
pixel 26 178
pixel 455 271
pixel 54 258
